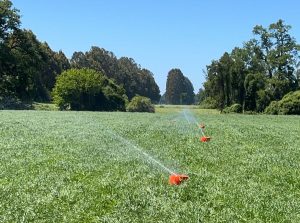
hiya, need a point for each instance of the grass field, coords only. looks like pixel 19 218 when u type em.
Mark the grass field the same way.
pixel 84 167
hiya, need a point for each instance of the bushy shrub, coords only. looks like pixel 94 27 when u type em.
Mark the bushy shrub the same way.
pixel 140 104
pixel 86 89
pixel 273 108
pixel 209 103
pixel 235 108
pixel 12 102
pixel 44 106
pixel 288 105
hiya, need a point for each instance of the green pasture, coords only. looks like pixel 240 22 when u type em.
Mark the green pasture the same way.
pixel 88 167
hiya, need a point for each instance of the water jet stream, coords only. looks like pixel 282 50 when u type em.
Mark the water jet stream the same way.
pixel 150 159
pixel 190 116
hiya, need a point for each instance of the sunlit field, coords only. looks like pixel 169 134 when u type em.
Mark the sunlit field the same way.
pixel 96 167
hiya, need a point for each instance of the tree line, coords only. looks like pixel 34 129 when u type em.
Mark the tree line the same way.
pixel 125 71
pixel 29 68
pixel 264 70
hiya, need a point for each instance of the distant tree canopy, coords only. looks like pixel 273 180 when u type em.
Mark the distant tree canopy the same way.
pixel 264 70
pixel 10 20
pixel 179 89
pixel 200 96
pixel 28 68
pixel 125 71
pixel 87 89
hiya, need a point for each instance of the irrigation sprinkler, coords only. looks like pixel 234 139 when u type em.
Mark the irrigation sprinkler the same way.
pixel 176 179
pixel 200 126
pixel 201 130
pixel 205 139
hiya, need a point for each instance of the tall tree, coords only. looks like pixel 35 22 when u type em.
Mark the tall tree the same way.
pixel 9 24
pixel 32 67
pixel 179 89
pixel 238 73
pixel 188 91
pixel 253 83
pixel 103 61
pixel 9 20
pixel 225 66
pixel 62 60
pixel 263 70
pixel 148 86
pixel 125 71
pixel 280 54
pixel 79 60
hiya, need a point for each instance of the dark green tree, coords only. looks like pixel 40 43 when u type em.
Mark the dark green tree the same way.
pixel 25 64
pixel 128 76
pixel 9 20
pixel 9 24
pixel 263 70
pixel 179 89
pixel 215 84
pixel 225 73
pixel 28 68
pixel 79 60
pixel 188 92
pixel 62 61
pixel 137 80
pixel 200 96
pixel 253 83
pixel 279 51
pixel 125 71
pixel 239 71
pixel 103 61
pixel 33 66
pixel 148 86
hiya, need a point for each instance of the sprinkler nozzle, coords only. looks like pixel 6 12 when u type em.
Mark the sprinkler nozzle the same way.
pixel 202 126
pixel 176 179
pixel 205 139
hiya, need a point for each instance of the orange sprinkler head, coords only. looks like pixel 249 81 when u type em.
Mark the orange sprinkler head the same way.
pixel 205 139
pixel 176 179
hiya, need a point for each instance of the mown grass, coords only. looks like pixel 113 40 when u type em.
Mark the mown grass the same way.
pixel 179 108
pixel 73 167
pixel 44 106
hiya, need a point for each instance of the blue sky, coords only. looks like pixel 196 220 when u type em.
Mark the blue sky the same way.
pixel 158 34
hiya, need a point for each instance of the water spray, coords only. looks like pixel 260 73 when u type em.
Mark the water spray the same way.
pixel 174 178
pixel 201 127
pixel 186 117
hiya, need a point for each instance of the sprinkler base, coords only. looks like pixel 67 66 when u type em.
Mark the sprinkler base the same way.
pixel 205 139
pixel 176 179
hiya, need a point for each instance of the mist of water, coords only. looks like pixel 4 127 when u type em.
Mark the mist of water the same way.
pixel 190 118
pixel 132 146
